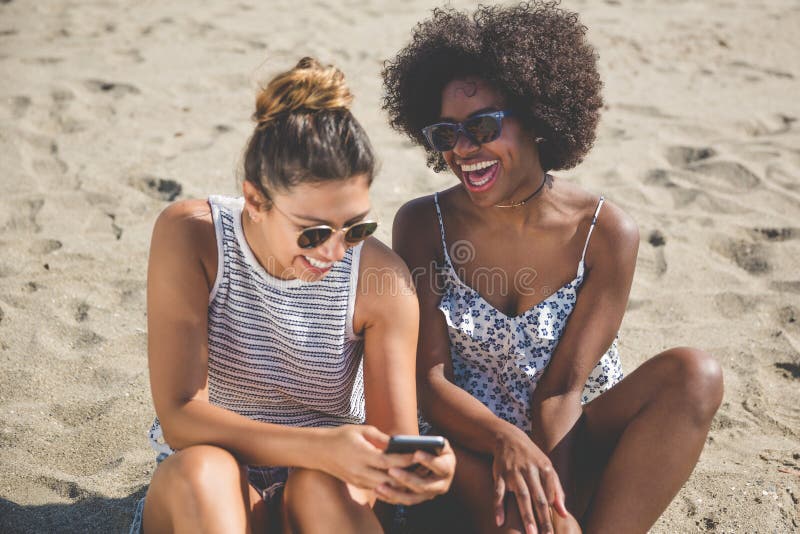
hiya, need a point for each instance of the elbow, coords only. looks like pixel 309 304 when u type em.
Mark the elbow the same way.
pixel 564 391
pixel 172 428
pixel 427 383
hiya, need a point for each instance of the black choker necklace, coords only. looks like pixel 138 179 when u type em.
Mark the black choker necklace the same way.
pixel 526 199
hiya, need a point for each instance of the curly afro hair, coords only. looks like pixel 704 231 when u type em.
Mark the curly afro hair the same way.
pixel 535 54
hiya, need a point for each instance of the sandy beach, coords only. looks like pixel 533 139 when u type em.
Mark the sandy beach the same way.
pixel 109 110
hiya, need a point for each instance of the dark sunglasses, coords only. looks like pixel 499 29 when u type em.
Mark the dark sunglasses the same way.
pixel 479 129
pixel 316 235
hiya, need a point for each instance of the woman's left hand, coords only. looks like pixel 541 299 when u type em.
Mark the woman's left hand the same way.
pixel 433 477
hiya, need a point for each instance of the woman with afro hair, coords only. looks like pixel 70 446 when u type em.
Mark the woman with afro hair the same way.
pixel 523 279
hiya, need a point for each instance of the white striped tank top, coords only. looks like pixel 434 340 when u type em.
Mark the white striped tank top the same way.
pixel 280 351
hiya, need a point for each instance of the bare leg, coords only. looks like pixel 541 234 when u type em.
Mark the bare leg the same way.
pixel 648 431
pixel 202 489
pixel 473 488
pixel 315 502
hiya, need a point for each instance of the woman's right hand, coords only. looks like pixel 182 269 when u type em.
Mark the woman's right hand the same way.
pixel 521 468
pixel 354 454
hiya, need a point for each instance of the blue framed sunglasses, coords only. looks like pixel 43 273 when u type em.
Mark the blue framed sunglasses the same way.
pixel 479 129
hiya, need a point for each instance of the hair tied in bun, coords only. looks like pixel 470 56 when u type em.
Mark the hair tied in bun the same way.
pixel 308 87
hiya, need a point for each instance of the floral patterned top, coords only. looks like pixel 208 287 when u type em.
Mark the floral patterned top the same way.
pixel 499 359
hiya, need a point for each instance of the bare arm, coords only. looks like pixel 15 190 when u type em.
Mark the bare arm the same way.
pixel 182 252
pixel 453 411
pixel 182 268
pixel 388 314
pixel 448 407
pixel 556 402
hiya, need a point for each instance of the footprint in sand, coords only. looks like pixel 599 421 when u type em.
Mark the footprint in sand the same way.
pixel 787 179
pixel 709 173
pixel 748 255
pixel 785 286
pixel 683 156
pixel 775 73
pixel 81 312
pixel 772 125
pixel 19 105
pixel 647 111
pixel 684 196
pixel 115 228
pixel 87 339
pixel 789 316
pixel 734 305
pixel 45 246
pixel 26 220
pixel 725 176
pixel 52 164
pixel 159 188
pixel 776 234
pixel 789 369
pixel 77 413
pixel 657 240
pixel 116 89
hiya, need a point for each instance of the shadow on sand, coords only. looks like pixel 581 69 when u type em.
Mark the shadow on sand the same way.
pixel 91 514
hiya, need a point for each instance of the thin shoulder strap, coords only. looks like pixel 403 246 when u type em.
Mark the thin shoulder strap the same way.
pixel 589 235
pixel 441 225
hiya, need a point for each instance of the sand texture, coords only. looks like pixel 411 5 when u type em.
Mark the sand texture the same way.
pixel 111 109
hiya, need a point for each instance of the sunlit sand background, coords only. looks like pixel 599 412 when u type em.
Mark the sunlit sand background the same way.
pixel 109 110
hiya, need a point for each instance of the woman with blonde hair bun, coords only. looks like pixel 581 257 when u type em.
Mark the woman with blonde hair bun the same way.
pixel 278 369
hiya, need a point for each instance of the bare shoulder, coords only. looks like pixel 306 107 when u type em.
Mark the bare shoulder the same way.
pixel 615 240
pixel 415 233
pixel 184 235
pixel 615 227
pixel 385 290
pixel 380 265
pixel 185 215
pixel 415 215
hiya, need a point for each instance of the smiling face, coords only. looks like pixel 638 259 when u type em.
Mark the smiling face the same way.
pixel 500 170
pixel 272 232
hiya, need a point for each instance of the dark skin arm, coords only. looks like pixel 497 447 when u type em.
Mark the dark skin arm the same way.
pixel 519 466
pixel 595 320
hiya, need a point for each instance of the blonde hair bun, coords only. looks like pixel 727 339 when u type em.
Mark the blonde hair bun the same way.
pixel 309 86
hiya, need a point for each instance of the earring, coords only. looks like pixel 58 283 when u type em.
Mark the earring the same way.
pixel 538 140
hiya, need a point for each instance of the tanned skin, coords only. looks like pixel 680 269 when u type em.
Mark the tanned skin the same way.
pixel 339 473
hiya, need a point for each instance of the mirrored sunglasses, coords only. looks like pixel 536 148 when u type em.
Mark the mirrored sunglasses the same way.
pixel 479 129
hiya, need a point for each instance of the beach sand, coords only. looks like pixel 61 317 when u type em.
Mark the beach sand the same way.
pixel 109 110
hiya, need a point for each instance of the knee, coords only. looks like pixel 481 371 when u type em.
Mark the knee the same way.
pixel 310 484
pixel 698 376
pixel 200 471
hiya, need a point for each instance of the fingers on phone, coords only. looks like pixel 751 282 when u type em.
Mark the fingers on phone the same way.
pixel 375 437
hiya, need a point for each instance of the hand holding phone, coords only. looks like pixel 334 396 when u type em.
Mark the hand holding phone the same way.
pixel 418 482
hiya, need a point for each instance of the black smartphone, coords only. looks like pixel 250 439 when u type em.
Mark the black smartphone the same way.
pixel 401 444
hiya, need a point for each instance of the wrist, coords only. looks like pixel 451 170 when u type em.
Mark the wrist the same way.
pixel 507 433
pixel 316 445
